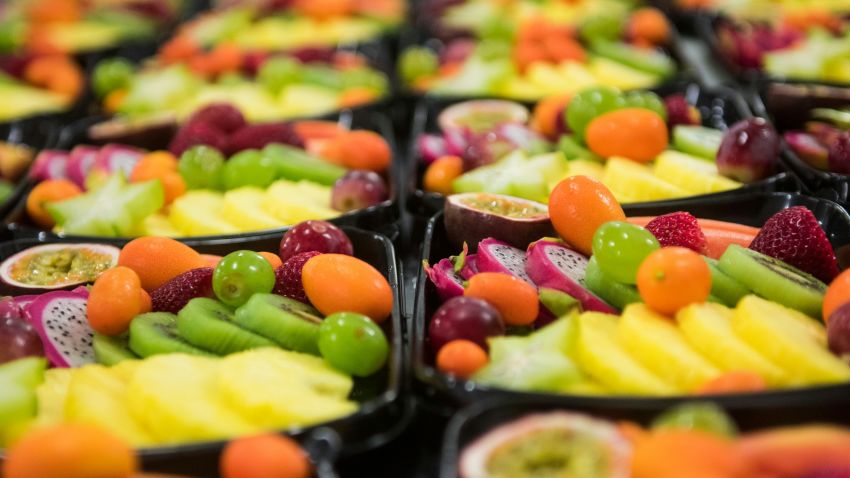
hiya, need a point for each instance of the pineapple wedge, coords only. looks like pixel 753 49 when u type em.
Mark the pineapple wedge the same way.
pixel 96 396
pixel 51 395
pixel 198 213
pixel 176 399
pixel 708 328
pixel 312 370
pixel 159 225
pixel 618 75
pixel 783 337
pixel 600 355
pixel 634 180
pixel 657 343
pixel 293 202
pixel 695 175
pixel 586 167
pixel 243 208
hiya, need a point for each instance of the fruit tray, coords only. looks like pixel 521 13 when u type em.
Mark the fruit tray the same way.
pixel 380 216
pixel 719 107
pixel 383 412
pixel 827 403
pixel 35 135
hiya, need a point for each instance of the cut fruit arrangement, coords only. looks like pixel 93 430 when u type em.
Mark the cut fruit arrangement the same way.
pixel 38 84
pixel 609 305
pixel 640 145
pixel 824 142
pixel 541 57
pixel 254 341
pixel 277 174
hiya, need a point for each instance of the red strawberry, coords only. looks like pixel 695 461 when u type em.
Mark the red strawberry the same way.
pixel 288 277
pixel 257 136
pixel 679 111
pixel 176 293
pixel 221 116
pixel 678 229
pixel 197 133
pixel 794 236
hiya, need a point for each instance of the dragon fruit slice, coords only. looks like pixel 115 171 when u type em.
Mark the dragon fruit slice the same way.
pixel 50 164
pixel 117 157
pixel 431 147
pixel 443 276
pixel 60 318
pixel 555 266
pixel 470 266
pixel 497 256
pixel 80 162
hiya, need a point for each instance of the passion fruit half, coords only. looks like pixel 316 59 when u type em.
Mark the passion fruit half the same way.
pixel 56 266
pixel 151 133
pixel 471 217
pixel 481 115
pixel 549 444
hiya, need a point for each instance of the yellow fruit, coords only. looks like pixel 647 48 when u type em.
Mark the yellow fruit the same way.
pixel 636 181
pixel 585 167
pixel 618 75
pixel 295 202
pixel 601 356
pixel 312 370
pixel 198 213
pixel 159 225
pixel 243 208
pixel 657 344
pixel 51 395
pixel 708 328
pixel 789 340
pixel 695 175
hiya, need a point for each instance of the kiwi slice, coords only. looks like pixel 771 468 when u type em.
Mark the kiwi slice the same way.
pixel 156 333
pixel 774 280
pixel 614 293
pixel 111 350
pixel 289 323
pixel 208 324
pixel 727 290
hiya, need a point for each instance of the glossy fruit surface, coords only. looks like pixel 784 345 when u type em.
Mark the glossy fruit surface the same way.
pixel 837 295
pixel 742 381
pixel 838 330
pixel 634 133
pixel 466 318
pixel 201 167
pixel 240 275
pixel 115 300
pixel 341 283
pixel 441 173
pixel 697 416
pixel 461 358
pixel 620 248
pixel 353 343
pixel 248 168
pixel 358 189
pixel 672 278
pixel 749 151
pixel 314 235
pixel 515 299
pixel 18 338
pixel 578 206
pixel 46 192
pixel 264 456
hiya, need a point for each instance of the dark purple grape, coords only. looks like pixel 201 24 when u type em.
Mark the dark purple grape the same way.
pixel 18 339
pixel 839 154
pixel 464 318
pixel 749 151
pixel 314 235
pixel 358 189
pixel 838 330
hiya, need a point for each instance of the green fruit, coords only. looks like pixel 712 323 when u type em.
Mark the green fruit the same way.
pixel 416 62
pixel 650 61
pixel 156 333
pixel 111 350
pixel 646 100
pixel 202 167
pixel 557 302
pixel 110 75
pixel 614 293
pixel 208 324
pixel 365 78
pixel 295 164
pixel 241 274
pixel 699 416
pixel 602 27
pixel 278 73
pixel 353 343
pixel 727 290
pixel 291 324
pixel 697 140
pixel 249 168
pixel 620 248
pixel 590 103
pixel 572 149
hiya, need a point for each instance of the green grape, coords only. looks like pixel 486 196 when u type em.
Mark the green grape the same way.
pixel 364 78
pixel 353 343
pixel 647 100
pixel 620 248
pixel 416 62
pixel 700 416
pixel 278 73
pixel 241 274
pixel 232 79
pixel 324 76
pixel 111 74
pixel 589 104
pixel 6 190
pixel 248 168
pixel 493 49
pixel 201 167
pixel 602 27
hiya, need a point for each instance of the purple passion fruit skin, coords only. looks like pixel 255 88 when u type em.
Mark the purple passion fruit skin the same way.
pixel 471 217
pixel 56 266
pixel 482 115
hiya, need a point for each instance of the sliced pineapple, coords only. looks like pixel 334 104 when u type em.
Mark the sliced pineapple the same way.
pixel 708 328
pixel 198 213
pixel 618 75
pixel 159 225
pixel 243 208
pixel 695 175
pixel 628 178
pixel 586 167
pixel 295 202
pixel 313 370
pixel 780 335
pixel 51 395
pixel 600 355
pixel 657 344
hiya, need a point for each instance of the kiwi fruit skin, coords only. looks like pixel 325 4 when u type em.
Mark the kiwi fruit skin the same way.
pixel 614 293
pixel 156 333
pixel 208 324
pixel 727 290
pixel 774 280
pixel 111 350
pixel 289 323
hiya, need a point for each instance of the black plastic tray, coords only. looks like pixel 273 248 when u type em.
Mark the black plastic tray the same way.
pixel 384 411
pixel 831 403
pixel 720 107
pixel 380 217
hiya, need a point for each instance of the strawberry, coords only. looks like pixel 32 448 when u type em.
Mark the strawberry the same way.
pixel 794 236
pixel 288 277
pixel 176 293
pixel 679 111
pixel 678 229
pixel 257 136
pixel 197 133
pixel 221 116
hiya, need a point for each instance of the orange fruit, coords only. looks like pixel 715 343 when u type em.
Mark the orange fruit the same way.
pixel 461 358
pixel 441 174
pixel 264 456
pixel 115 299
pixel 359 150
pixel 739 381
pixel 145 304
pixel 837 294
pixel 45 192
pixel 273 259
pixel 515 299
pixel 671 278
pixel 209 260
pixel 357 96
pixel 70 451
pixel 174 186
pixel 153 165
pixel 309 130
pixel 685 453
pixel 114 100
pixel 650 26
pixel 578 206
pixel 341 283
pixel 324 9
pixel 158 259
pixel 545 117
pixel 635 133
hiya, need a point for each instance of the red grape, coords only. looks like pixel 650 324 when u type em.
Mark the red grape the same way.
pixel 838 330
pixel 749 151
pixel 314 235
pixel 18 338
pixel 839 154
pixel 357 190
pixel 464 318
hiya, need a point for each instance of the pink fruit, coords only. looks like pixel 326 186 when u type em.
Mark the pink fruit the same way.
pixel 838 330
pixel 497 256
pixel 60 319
pixel 18 338
pixel 314 235
pixel 193 134
pixel 470 266
pixel 257 136
pixel 808 148
pixel 431 147
pixel 678 229
pixel 50 164
pixel 288 281
pixel 117 158
pixel 448 283
pixel 839 154
pixel 358 189
pixel 222 116
pixel 749 151
pixel 177 292
pixel 466 318
pixel 80 162
pixel 679 111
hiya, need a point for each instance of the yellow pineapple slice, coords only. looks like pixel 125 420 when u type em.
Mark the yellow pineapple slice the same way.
pixel 618 75
pixel 695 175
pixel 586 167
pixel 601 356
pixel 159 225
pixel 295 202
pixel 782 336
pixel 636 181
pixel 243 208
pixel 657 344
pixel 312 370
pixel 198 213
pixel 708 328
pixel 51 395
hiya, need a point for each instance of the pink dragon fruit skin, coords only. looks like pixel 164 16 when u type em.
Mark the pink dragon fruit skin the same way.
pixel 470 267
pixel 117 157
pixel 50 164
pixel 431 147
pixel 60 318
pixel 444 278
pixel 497 256
pixel 80 162
pixel 555 266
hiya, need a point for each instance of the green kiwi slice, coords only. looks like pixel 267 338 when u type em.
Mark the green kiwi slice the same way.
pixel 156 333
pixel 614 293
pixel 289 323
pixel 208 324
pixel 111 350
pixel 774 280
pixel 727 290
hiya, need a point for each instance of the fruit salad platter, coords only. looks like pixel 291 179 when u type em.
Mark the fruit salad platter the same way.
pixel 501 438
pixel 252 341
pixel 19 145
pixel 280 26
pixel 684 141
pixel 526 312
pixel 543 57
pixel 217 176
pixel 36 87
